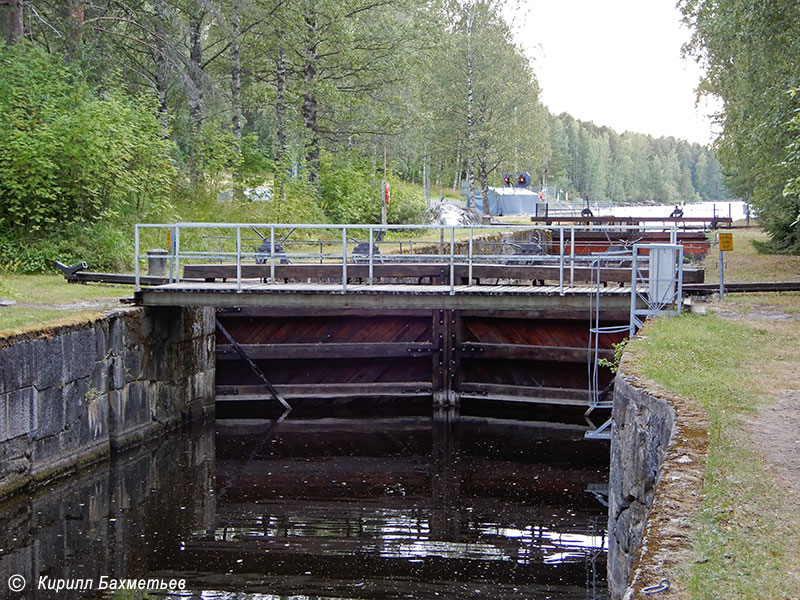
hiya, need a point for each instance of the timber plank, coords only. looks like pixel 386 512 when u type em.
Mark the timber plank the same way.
pixel 527 352
pixel 240 393
pixel 417 271
pixel 328 350
pixel 533 394
pixel 351 328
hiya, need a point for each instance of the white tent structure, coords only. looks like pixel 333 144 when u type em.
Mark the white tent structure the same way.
pixel 510 201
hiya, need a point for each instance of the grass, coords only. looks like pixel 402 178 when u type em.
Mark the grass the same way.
pixel 744 541
pixel 47 298
pixel 16 319
pixel 746 264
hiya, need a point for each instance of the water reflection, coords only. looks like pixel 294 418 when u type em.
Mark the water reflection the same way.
pixel 332 508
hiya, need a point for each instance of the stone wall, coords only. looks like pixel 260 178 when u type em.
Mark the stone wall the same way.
pixel 658 454
pixel 642 428
pixel 70 395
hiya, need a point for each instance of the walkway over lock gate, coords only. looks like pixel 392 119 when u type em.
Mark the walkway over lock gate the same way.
pixel 325 312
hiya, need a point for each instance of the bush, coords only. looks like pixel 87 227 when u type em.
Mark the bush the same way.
pixel 70 155
pixel 351 193
pixel 105 247
pixel 407 205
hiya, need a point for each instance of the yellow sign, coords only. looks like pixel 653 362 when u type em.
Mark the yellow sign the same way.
pixel 726 242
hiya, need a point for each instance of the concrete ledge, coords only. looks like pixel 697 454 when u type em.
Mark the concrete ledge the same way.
pixel 72 394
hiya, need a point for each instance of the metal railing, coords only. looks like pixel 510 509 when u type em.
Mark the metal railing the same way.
pixel 234 243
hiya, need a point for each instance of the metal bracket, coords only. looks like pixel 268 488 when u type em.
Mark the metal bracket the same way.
pixel 601 433
pixel 70 271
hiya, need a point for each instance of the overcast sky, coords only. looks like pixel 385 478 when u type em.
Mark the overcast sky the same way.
pixel 616 63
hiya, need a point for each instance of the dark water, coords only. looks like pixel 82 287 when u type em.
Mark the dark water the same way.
pixel 328 508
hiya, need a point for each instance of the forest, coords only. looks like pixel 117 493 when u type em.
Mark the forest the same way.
pixel 749 50
pixel 115 112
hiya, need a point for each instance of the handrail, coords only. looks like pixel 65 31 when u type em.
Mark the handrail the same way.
pixel 460 252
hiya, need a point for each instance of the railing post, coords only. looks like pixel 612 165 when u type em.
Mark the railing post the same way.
pixel 238 259
pixel 272 254
pixel 469 276
pixel 561 261
pixel 572 256
pixel 452 260
pixel 171 253
pixel 344 259
pixel 634 280
pixel 369 278
pixel 137 287
pixel 177 252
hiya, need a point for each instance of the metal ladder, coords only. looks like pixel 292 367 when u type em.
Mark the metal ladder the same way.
pixel 657 292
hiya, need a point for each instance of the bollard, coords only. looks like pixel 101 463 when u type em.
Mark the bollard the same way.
pixel 157 262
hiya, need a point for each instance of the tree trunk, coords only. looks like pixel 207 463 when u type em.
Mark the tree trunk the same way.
pixel 236 77
pixel 280 106
pixel 160 60
pixel 195 89
pixel 470 116
pixel 310 117
pixel 236 94
pixel 72 13
pixel 483 179
pixel 16 26
pixel 457 176
pixel 310 104
pixel 281 158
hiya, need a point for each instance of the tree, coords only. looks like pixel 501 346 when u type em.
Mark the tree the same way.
pixel 68 154
pixel 487 108
pixel 14 19
pixel 750 49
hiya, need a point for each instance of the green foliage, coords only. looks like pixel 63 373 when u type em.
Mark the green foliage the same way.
pixel 104 246
pixel 255 161
pixel 750 50
pixel 217 152
pixel 296 203
pixel 68 155
pixel 351 193
pixel 125 122
pixel 790 234
pixel 350 190
pixel 619 349
pixel 407 205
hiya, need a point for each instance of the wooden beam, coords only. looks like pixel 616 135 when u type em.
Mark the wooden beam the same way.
pixel 615 302
pixel 482 271
pixel 242 393
pixel 317 271
pixel 514 393
pixel 270 312
pixel 630 220
pixel 755 286
pixel 328 350
pixel 526 352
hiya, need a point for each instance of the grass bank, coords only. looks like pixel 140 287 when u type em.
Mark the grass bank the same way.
pixel 50 299
pixel 737 362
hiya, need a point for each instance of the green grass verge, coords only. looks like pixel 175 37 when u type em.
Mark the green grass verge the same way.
pixel 745 263
pixel 45 298
pixel 14 318
pixel 731 367
pixel 54 289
